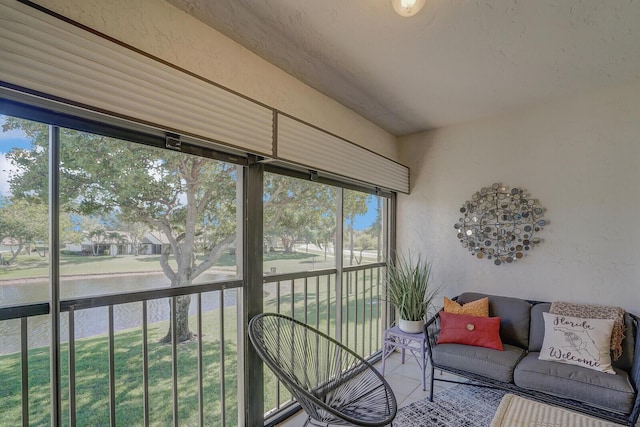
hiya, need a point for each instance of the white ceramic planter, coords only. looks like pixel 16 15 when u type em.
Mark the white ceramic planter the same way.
pixel 411 326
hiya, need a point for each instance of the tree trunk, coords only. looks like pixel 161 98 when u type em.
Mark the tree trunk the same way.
pixel 379 217
pixel 351 254
pixel 182 321
pixel 44 252
pixel 14 254
pixel 287 244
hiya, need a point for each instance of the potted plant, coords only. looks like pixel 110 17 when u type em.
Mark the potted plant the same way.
pixel 409 290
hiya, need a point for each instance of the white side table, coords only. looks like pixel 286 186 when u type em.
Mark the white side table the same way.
pixel 415 343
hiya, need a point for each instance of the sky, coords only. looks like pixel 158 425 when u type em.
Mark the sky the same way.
pixel 364 221
pixel 8 140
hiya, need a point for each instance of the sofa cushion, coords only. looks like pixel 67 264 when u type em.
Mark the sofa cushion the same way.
pixel 488 362
pixel 514 314
pixel 536 332
pixel 612 392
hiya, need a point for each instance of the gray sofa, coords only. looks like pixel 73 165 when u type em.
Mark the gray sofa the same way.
pixel 518 369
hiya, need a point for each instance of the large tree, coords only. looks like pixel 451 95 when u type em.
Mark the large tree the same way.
pixel 354 204
pixel 190 200
pixel 22 224
pixel 294 206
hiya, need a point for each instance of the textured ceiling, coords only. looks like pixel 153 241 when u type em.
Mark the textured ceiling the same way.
pixel 455 61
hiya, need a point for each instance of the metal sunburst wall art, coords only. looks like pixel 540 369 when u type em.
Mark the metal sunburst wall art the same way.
pixel 500 224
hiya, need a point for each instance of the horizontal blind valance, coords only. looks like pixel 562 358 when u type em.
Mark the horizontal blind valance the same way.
pixel 305 145
pixel 42 53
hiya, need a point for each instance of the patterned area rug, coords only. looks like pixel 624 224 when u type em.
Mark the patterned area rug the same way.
pixel 458 406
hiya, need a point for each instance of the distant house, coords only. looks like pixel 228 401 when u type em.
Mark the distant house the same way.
pixel 109 243
pixel 153 243
pixel 150 244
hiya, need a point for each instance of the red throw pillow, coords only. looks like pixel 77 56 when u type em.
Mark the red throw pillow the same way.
pixel 470 330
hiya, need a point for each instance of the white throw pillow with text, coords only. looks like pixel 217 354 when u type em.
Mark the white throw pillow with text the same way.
pixel 578 341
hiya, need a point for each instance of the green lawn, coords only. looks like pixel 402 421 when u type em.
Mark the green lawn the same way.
pixel 92 378
pixel 33 265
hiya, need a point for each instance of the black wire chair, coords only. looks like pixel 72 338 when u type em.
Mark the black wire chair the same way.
pixel 332 383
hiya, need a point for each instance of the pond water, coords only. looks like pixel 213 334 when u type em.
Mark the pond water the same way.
pixel 94 321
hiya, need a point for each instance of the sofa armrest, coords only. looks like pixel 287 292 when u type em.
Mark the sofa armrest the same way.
pixel 634 375
pixel 431 331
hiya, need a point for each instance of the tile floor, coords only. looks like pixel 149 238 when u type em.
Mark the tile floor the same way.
pixel 404 379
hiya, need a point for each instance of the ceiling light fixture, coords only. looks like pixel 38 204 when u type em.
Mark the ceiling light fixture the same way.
pixel 407 8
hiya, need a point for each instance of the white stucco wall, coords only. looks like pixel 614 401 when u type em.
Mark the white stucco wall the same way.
pixel 164 31
pixel 580 158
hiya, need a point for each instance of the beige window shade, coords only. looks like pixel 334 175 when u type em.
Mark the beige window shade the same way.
pixel 47 55
pixel 42 53
pixel 310 147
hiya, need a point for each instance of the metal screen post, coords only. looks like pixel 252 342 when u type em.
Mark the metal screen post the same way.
pixel 239 292
pixel 253 387
pixel 24 355
pixel 339 259
pixel 54 273
pixel 388 313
